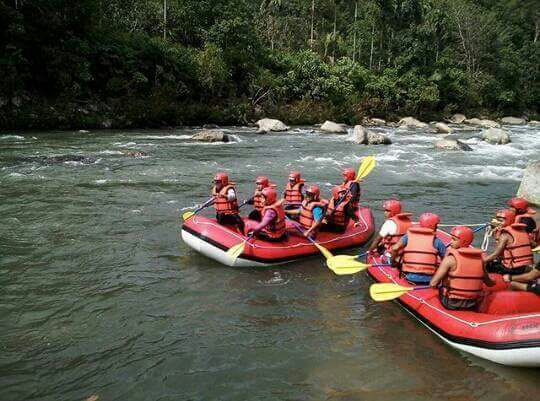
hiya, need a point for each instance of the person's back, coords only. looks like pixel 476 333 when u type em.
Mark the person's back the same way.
pixel 517 254
pixel 293 193
pixel 336 214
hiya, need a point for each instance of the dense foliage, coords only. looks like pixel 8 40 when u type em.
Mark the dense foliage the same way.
pixel 82 63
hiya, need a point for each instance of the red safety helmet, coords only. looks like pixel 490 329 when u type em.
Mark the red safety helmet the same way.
pixel 348 174
pixel 519 204
pixel 393 206
pixel 508 216
pixel 294 176
pixel 314 191
pixel 429 220
pixel 463 234
pixel 270 195
pixel 262 180
pixel 222 178
pixel 337 191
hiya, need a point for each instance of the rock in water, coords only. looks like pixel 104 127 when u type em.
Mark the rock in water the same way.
pixel 530 184
pixel 473 121
pixel 496 136
pixel 482 123
pixel 513 121
pixel 374 121
pixel 365 137
pixel 534 122
pixel 269 124
pixel 452 144
pixel 210 136
pixel 334 128
pixel 443 128
pixel 411 122
pixel 457 118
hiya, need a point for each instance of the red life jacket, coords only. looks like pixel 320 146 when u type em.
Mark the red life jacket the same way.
pixel 306 212
pixel 403 223
pixel 519 252
pixel 465 281
pixel 420 256
pixel 257 200
pixel 356 200
pixel 336 215
pixel 293 193
pixel 276 228
pixel 535 234
pixel 221 203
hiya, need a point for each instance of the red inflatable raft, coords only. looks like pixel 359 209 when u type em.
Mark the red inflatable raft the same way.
pixel 506 328
pixel 211 239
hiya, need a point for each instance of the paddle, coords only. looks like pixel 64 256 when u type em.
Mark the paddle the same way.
pixel 367 165
pixel 191 213
pixel 387 291
pixel 537 249
pixel 235 251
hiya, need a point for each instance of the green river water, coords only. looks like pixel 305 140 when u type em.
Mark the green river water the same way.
pixel 99 296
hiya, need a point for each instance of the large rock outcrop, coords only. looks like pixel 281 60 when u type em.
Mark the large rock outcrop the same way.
pixel 270 124
pixel 334 128
pixel 366 137
pixel 496 136
pixel 530 184
pixel 411 122
pixel 513 121
pixel 452 144
pixel 210 136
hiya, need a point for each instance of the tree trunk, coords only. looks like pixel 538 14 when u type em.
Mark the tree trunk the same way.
pixel 354 33
pixel 312 22
pixel 372 38
pixel 334 35
pixel 164 19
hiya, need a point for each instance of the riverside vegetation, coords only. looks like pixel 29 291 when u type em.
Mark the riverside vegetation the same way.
pixel 122 63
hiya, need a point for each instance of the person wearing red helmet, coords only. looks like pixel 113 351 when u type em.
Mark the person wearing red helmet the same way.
pixel 525 215
pixel 272 226
pixel 349 182
pixel 394 227
pixel 461 273
pixel 422 250
pixel 225 202
pixel 311 212
pixel 257 199
pixel 513 248
pixel 339 211
pixel 293 194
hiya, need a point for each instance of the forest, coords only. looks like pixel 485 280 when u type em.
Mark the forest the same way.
pixel 157 63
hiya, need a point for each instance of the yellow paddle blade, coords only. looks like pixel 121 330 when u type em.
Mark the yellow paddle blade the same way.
pixel 187 215
pixel 235 251
pixel 343 265
pixel 537 249
pixel 367 165
pixel 327 254
pixel 386 291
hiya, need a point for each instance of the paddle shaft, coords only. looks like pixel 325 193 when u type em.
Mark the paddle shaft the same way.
pixel 422 287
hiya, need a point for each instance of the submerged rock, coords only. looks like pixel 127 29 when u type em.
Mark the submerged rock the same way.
pixel 269 124
pixel 452 144
pixel 513 121
pixel 210 136
pixel 530 184
pixel 496 136
pixel 411 122
pixel 135 153
pixel 366 137
pixel 443 128
pixel 458 118
pixel 334 128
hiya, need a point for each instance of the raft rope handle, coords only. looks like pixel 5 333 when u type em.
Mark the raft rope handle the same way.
pixel 487 237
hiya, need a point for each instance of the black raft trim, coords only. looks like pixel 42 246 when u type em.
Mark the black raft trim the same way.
pixel 468 341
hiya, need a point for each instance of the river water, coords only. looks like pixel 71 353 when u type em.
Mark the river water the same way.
pixel 99 296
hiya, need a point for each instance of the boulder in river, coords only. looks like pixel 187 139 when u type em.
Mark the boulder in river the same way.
pixel 482 123
pixel 534 122
pixel 334 128
pixel 442 128
pixel 530 184
pixel 366 137
pixel 513 121
pixel 496 136
pixel 377 122
pixel 270 124
pixel 451 144
pixel 411 122
pixel 457 118
pixel 210 136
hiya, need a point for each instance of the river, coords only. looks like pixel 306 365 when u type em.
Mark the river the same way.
pixel 99 296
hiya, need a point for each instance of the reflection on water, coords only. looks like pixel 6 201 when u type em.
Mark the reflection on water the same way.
pixel 99 296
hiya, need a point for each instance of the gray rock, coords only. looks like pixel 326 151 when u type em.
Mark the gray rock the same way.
pixel 457 118
pixel 269 124
pixel 473 121
pixel 534 122
pixel 334 128
pixel 452 144
pixel 210 136
pixel 530 184
pixel 377 122
pixel 365 137
pixel 513 121
pixel 495 136
pixel 482 123
pixel 443 128
pixel 411 122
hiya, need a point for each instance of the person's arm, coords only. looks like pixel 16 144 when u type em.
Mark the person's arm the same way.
pixel 402 243
pixel 523 278
pixel 317 221
pixel 447 263
pixel 231 194
pixel 486 279
pixel 499 248
pixel 269 215
pixel 441 248
pixel 355 190
pixel 375 243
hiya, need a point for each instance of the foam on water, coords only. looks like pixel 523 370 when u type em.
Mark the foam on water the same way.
pixel 5 137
